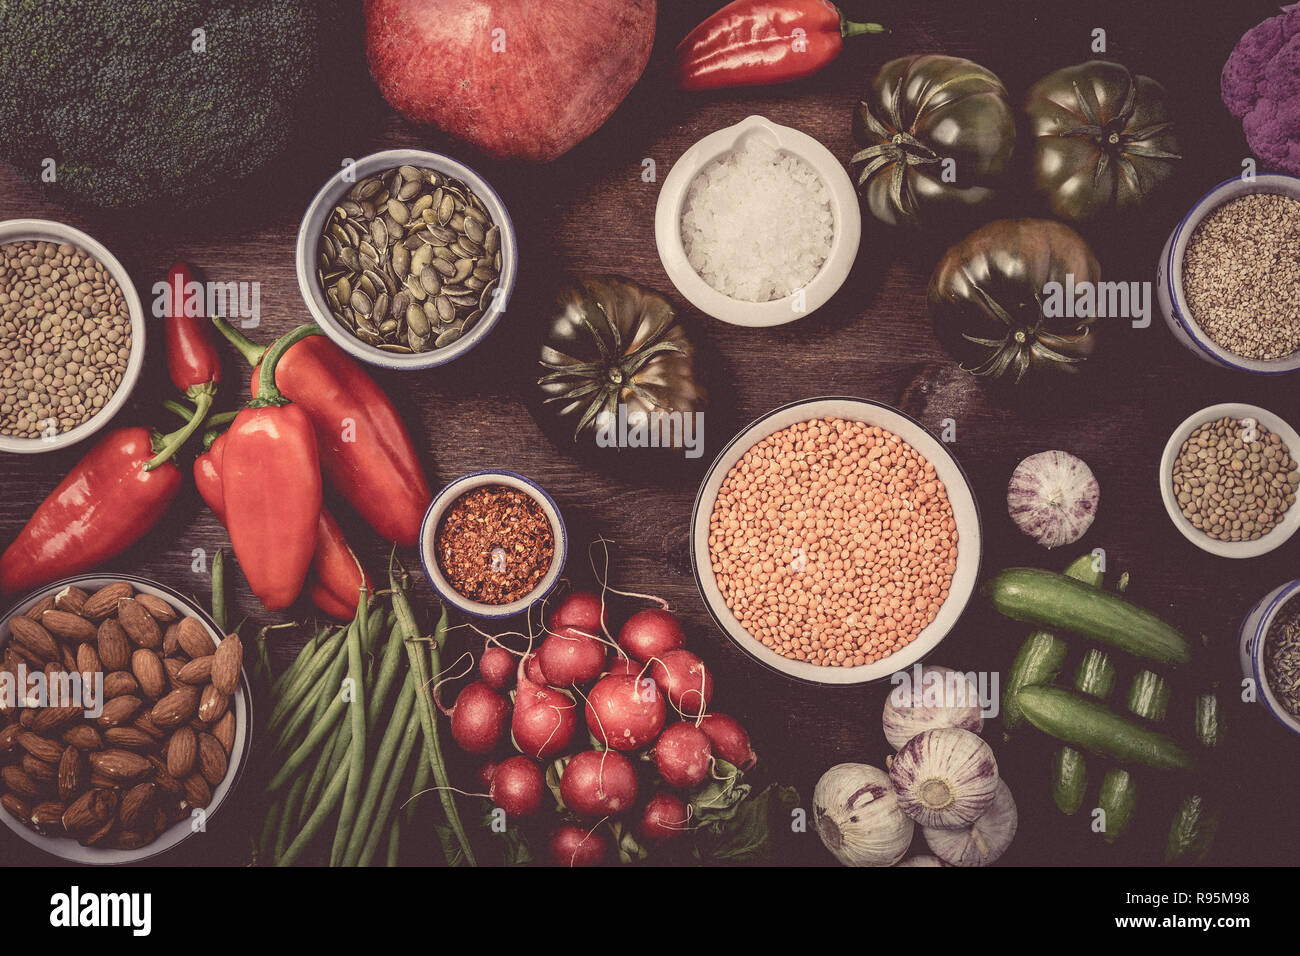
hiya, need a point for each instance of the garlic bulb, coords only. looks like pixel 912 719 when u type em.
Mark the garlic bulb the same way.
pixel 984 840
pixel 858 817
pixel 923 859
pixel 944 778
pixel 929 698
pixel 1052 497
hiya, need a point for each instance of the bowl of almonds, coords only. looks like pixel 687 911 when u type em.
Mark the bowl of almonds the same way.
pixel 125 719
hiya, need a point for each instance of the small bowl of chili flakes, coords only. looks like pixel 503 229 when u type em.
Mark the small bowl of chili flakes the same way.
pixel 493 544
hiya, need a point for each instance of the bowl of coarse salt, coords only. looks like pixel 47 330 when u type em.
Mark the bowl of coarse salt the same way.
pixel 757 224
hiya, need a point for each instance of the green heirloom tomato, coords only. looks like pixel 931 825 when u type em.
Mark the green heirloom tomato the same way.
pixel 938 136
pixel 987 299
pixel 613 342
pixel 1103 140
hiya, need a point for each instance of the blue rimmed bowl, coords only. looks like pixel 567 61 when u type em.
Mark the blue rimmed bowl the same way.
pixel 1252 637
pixel 317 216
pixel 1169 276
pixel 433 521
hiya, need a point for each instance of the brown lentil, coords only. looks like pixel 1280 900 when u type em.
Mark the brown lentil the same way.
pixel 1282 658
pixel 1231 488
pixel 833 542
pixel 1241 276
pixel 495 544
pixel 65 337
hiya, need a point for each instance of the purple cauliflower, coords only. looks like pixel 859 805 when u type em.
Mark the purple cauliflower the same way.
pixel 1261 86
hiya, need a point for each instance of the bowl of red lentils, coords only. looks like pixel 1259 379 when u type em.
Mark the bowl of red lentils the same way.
pixel 493 544
pixel 72 336
pixel 836 540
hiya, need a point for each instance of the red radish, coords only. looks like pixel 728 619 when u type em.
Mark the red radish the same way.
pixel 664 818
pixel 486 773
pixel 580 610
pixel 479 719
pixel 533 669
pixel 624 667
pixel 651 633
pixel 544 721
pixel 685 680
pixel 518 787
pixel 572 845
pixel 598 783
pixel 730 740
pixel 497 667
pixel 625 713
pixel 682 754
pixel 568 656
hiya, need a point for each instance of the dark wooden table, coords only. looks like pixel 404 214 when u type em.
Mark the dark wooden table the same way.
pixel 591 212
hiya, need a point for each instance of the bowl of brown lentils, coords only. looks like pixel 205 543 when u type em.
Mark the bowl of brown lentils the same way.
pixel 71 336
pixel 406 259
pixel 1229 477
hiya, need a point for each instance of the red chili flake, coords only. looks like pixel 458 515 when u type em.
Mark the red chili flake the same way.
pixel 495 544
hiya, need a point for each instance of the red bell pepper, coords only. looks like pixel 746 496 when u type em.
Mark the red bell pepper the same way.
pixel 107 503
pixel 366 452
pixel 271 488
pixel 756 42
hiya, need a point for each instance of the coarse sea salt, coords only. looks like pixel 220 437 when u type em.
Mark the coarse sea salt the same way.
pixel 757 223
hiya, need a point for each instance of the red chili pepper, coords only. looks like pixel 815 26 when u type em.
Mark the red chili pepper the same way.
pixel 271 486
pixel 756 42
pixel 192 358
pixel 366 452
pixel 107 502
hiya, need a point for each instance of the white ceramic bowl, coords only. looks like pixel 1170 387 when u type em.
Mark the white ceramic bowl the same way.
pixel 1251 639
pixel 429 534
pixel 17 230
pixel 1169 276
pixel 965 512
pixel 69 849
pixel 844 208
pixel 317 215
pixel 1227 549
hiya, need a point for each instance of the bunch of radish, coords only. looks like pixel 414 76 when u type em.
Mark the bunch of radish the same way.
pixel 614 736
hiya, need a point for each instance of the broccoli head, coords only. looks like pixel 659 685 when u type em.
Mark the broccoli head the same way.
pixel 1261 86
pixel 137 107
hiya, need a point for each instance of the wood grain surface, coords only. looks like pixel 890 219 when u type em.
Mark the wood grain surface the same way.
pixel 591 212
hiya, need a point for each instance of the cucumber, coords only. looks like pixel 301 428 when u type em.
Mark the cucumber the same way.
pixel 1042 654
pixel 1096 675
pixel 1094 728
pixel 1148 696
pixel 1118 798
pixel 1192 830
pixel 1052 600
pixel 1207 720
pixel 1069 779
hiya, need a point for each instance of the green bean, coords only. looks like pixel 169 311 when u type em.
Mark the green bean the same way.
pixel 380 785
pixel 394 841
pixel 219 590
pixel 320 729
pixel 357 755
pixel 329 800
pixel 410 730
pixel 292 804
pixel 304 656
pixel 325 767
pixel 265 842
pixel 292 703
pixel 389 670
pixel 418 786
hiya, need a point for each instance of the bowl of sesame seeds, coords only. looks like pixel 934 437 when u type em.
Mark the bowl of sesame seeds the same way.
pixel 71 336
pixel 1228 280
pixel 836 540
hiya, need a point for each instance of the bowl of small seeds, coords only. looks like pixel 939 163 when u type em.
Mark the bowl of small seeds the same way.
pixel 493 544
pixel 406 259
pixel 71 336
pixel 1269 642
pixel 1228 280
pixel 1228 478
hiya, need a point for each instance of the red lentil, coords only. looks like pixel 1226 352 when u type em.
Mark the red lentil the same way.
pixel 833 542
pixel 495 544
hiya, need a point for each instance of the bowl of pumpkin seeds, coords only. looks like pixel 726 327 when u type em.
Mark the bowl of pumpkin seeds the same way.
pixel 406 259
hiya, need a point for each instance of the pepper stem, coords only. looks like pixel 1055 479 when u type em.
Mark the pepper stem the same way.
pixel 252 352
pixel 169 445
pixel 267 393
pixel 849 28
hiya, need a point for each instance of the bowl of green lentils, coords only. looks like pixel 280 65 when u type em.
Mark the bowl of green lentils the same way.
pixel 71 336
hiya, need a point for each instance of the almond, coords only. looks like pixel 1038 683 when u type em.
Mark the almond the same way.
pixel 181 753
pixel 88 661
pixel 171 643
pixel 166 782
pixel 197 671
pixel 132 738
pixel 9 737
pixel 224 731
pixel 71 599
pixel 72 774
pixel 48 816
pixel 176 708
pixel 213 705
pixel 139 624
pixel 212 759
pixel 47 720
pixel 145 723
pixel 119 684
pixel 68 655
pixel 16 806
pixel 83 737
pixel 159 609
pixel 137 806
pixel 194 638
pixel 197 791
pixel 130 839
pixel 40 607
pixel 101 837
pixel 45 774
pixel 119 711
pixel 172 666
pixel 120 765
pixel 34 638
pixel 149 673
pixel 69 626
pixel 227 662
pixel 39 747
pixel 114 647
pixel 17 780
pixel 104 601
pixel 90 811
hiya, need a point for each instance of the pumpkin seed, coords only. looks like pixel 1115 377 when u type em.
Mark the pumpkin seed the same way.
pixel 417 321
pixel 446 338
pixel 446 310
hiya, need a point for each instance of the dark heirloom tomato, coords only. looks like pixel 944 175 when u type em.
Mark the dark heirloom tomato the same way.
pixel 1103 140
pixel 939 135
pixel 987 297
pixel 614 342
